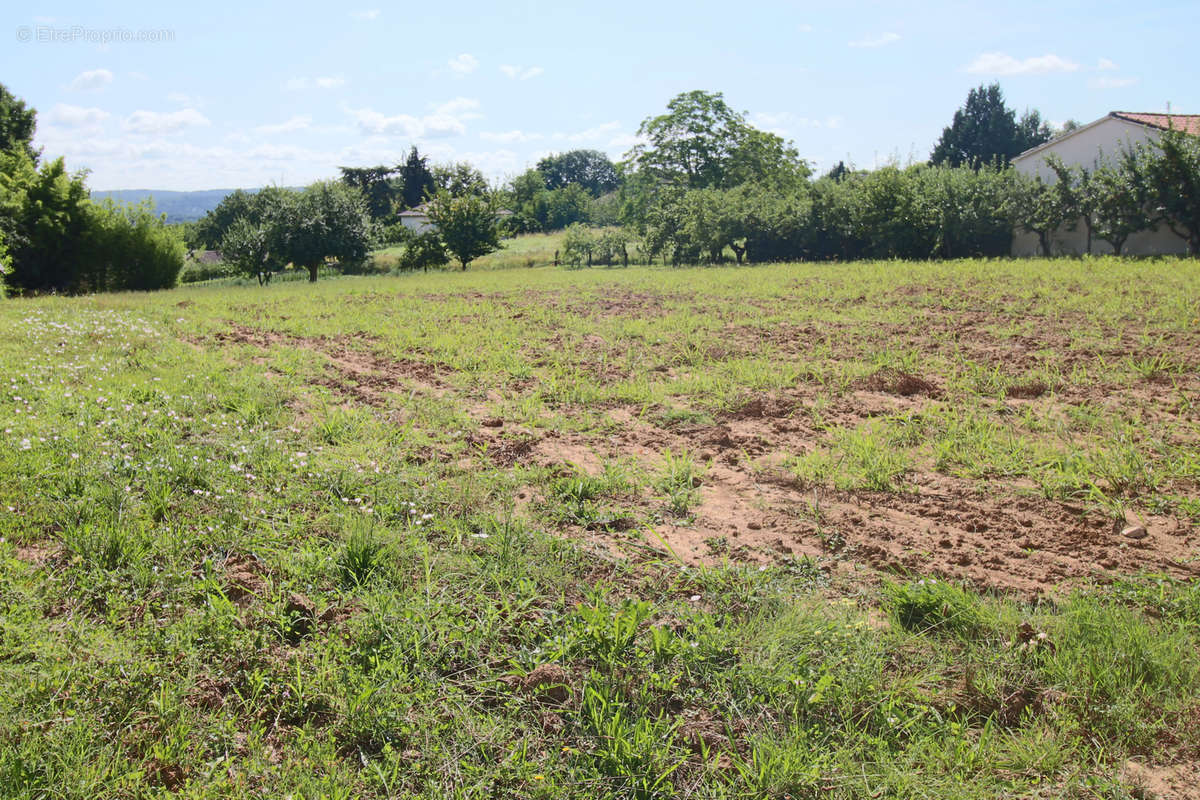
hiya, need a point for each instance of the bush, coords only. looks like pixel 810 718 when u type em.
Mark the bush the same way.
pixel 129 248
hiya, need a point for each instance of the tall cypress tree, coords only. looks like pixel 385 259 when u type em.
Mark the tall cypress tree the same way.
pixel 418 180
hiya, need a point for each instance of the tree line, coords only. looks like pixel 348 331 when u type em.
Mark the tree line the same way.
pixel 53 238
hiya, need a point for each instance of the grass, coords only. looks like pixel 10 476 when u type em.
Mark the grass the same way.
pixel 404 536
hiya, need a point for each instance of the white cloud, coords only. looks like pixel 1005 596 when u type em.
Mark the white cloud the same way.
pixel 804 27
pixel 878 40
pixel 369 14
pixel 301 84
pixel 444 120
pixel 783 123
pixel 1004 64
pixel 296 123
pixel 1111 83
pixel 159 122
pixel 1104 64
pixel 508 137
pixel 182 99
pixel 76 116
pixel 520 73
pixel 464 63
pixel 91 80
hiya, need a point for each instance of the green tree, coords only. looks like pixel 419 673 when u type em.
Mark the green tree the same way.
pixel 985 131
pixel 379 187
pixel 422 251
pixel 1115 205
pixel 17 125
pixel 44 212
pixel 1167 176
pixel 1040 208
pixel 589 169
pixel 327 220
pixel 466 224
pixel 459 179
pixel 210 229
pixel 701 143
pixel 247 246
pixel 416 180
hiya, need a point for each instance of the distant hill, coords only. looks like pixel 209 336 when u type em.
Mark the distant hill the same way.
pixel 178 206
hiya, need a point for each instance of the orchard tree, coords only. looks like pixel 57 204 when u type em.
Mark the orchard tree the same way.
pixel 1040 208
pixel 1115 205
pixel 326 220
pixel 466 224
pixel 247 247
pixel 589 169
pixel 416 180
pixel 17 124
pixel 255 206
pixel 1167 172
pixel 985 131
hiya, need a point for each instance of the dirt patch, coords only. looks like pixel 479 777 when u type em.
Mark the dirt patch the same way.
pixel 899 383
pixel 36 553
pixel 246 579
pixel 1174 782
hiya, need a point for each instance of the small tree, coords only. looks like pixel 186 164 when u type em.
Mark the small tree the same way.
pixel 578 245
pixel 246 247
pixel 1039 208
pixel 422 251
pixel 17 124
pixel 1116 209
pixel 466 224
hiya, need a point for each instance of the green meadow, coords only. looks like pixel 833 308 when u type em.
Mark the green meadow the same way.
pixel 881 529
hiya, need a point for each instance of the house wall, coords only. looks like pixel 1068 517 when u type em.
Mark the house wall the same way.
pixel 1103 140
pixel 420 224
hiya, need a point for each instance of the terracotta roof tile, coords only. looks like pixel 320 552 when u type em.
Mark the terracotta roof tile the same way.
pixel 1189 123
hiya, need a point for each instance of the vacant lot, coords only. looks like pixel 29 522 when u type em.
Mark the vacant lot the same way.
pixel 883 529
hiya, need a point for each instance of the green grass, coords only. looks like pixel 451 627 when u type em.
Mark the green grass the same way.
pixel 402 536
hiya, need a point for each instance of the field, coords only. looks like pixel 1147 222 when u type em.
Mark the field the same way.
pixel 864 530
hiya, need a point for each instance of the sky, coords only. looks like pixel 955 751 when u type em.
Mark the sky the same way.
pixel 225 95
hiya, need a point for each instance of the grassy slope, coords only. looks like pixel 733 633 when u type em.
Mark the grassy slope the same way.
pixel 226 574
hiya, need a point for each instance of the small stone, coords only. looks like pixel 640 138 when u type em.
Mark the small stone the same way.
pixel 754 526
pixel 1134 532
pixel 495 422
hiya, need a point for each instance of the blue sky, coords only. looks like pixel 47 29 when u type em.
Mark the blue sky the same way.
pixel 221 95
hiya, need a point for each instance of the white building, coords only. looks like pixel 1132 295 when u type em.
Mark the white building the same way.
pixel 417 218
pixel 1086 146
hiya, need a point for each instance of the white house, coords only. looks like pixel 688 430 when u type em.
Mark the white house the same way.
pixel 417 218
pixel 1086 146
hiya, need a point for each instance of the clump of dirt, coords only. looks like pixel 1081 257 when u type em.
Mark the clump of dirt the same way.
pixel 246 578
pixel 764 408
pixel 898 382
pixel 1029 390
pixel 547 682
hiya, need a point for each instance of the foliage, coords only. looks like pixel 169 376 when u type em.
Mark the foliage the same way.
pixel 17 124
pixel 128 248
pixel 210 230
pixel 379 187
pixel 466 224
pixel 416 181
pixel 589 169
pixel 45 215
pixel 1167 172
pixel 458 179
pixel 701 143
pixel 1040 207
pixel 985 132
pixel 247 248
pixel 422 251
pixel 326 220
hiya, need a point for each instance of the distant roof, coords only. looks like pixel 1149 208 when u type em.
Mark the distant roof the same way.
pixel 1188 123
